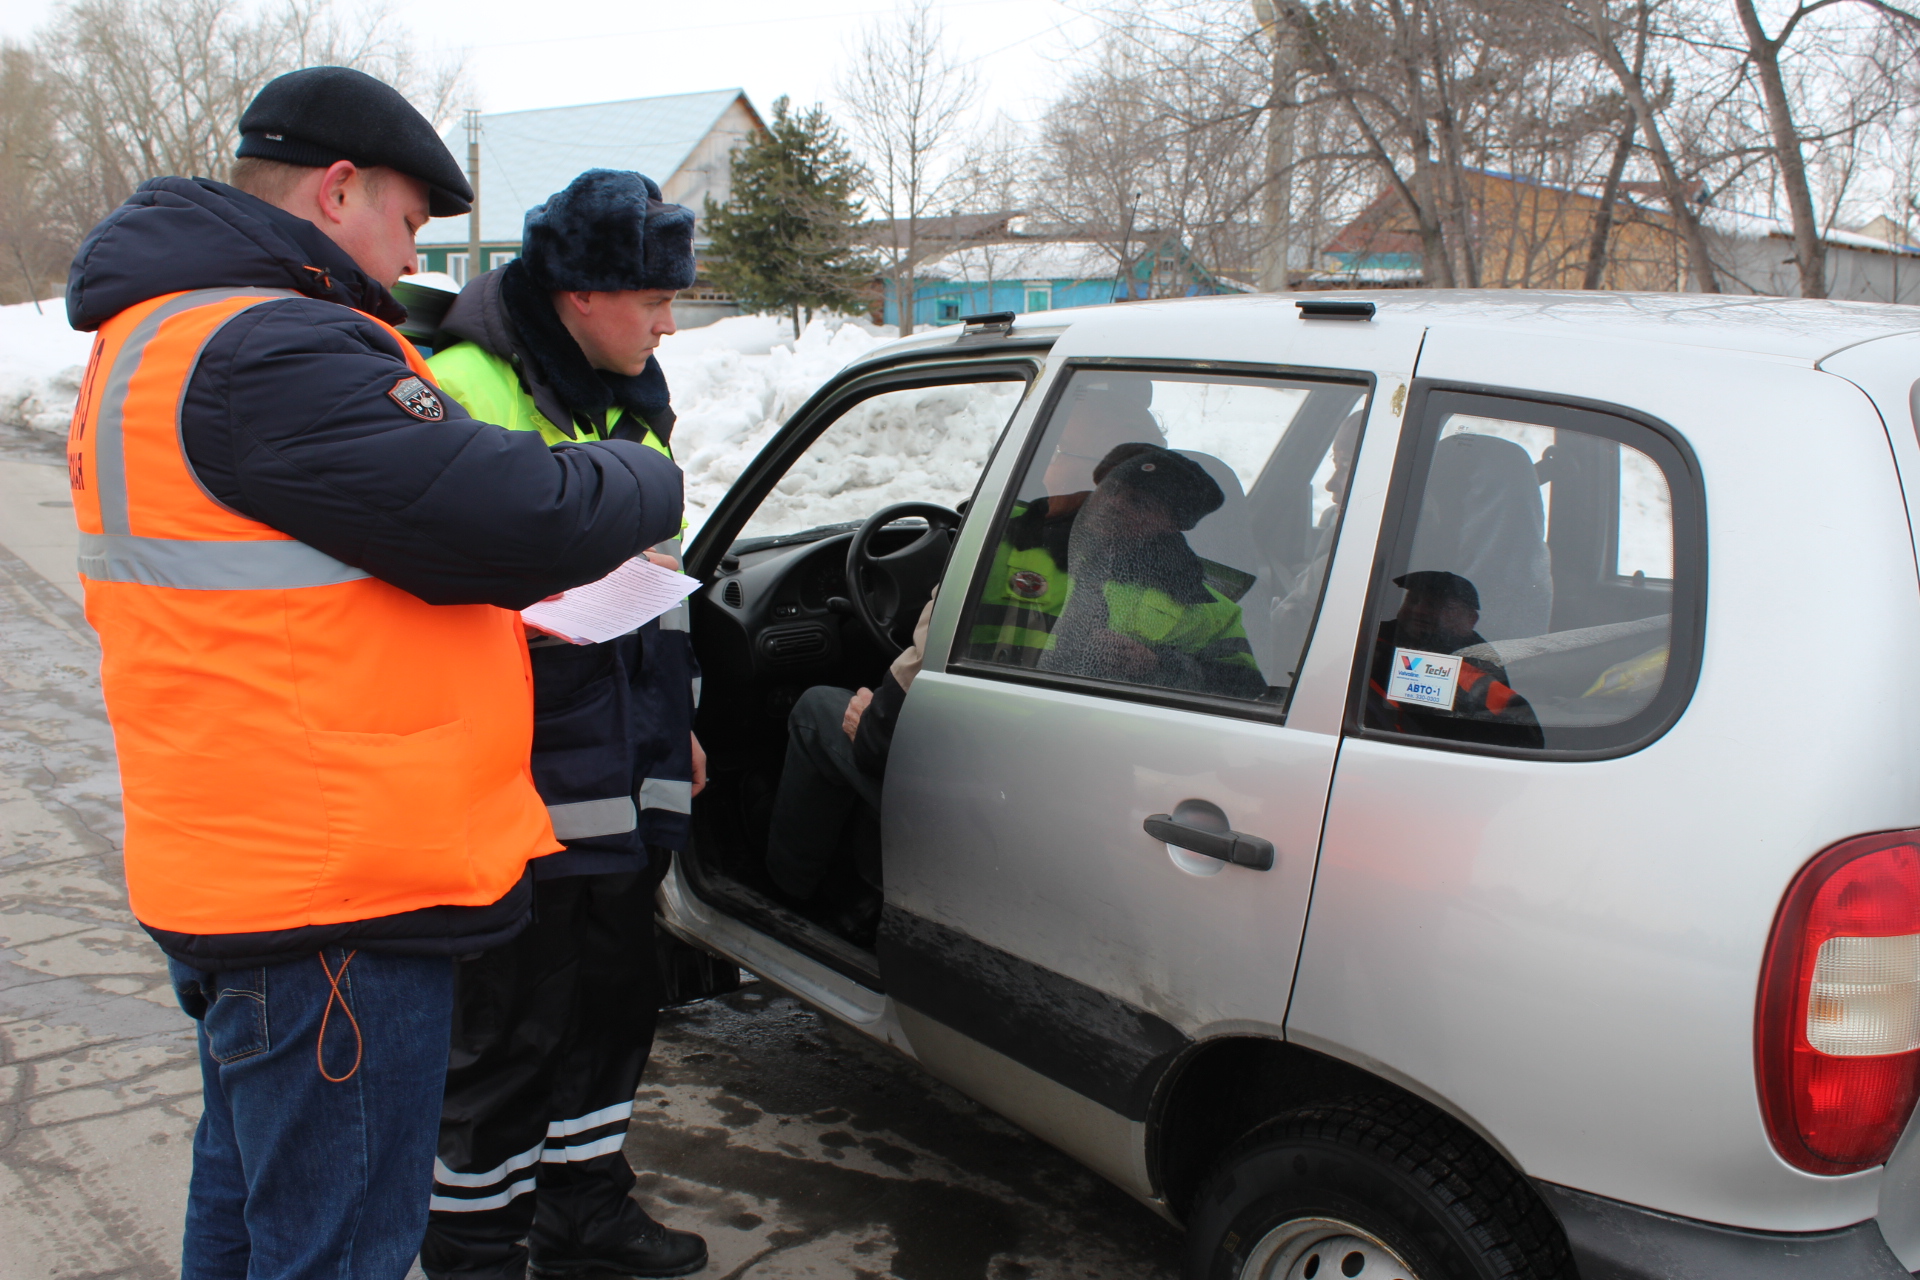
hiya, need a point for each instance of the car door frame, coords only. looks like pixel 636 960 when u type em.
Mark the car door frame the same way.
pixel 1122 1149
pixel 835 982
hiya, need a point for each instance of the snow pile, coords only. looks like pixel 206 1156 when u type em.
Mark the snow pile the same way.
pixel 41 364
pixel 921 444
pixel 734 383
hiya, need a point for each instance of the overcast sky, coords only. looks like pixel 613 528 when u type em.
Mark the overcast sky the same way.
pixel 549 53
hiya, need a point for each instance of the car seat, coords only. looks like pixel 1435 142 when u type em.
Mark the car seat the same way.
pixel 1481 517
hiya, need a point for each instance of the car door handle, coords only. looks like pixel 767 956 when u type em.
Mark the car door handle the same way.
pixel 1237 847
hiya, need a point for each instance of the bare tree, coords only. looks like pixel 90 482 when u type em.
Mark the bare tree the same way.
pixel 34 237
pixel 1597 24
pixel 907 99
pixel 146 88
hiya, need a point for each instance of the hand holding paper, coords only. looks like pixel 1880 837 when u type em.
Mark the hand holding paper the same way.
pixel 634 594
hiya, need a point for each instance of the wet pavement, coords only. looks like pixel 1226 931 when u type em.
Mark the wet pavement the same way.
pixel 795 1147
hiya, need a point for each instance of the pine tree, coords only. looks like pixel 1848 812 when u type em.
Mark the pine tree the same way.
pixel 784 239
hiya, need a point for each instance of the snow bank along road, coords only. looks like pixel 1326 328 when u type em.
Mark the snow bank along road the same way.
pixel 797 1149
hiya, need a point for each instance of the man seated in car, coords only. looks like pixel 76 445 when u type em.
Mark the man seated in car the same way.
pixel 838 739
pixel 1028 584
pixel 837 744
pixel 1140 608
pixel 1438 616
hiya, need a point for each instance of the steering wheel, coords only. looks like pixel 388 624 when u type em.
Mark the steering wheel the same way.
pixel 888 591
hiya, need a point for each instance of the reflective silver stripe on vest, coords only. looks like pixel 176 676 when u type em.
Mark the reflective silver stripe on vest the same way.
pixel 117 556
pixel 584 818
pixel 210 566
pixel 675 795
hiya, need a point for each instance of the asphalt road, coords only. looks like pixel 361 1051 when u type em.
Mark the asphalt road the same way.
pixel 796 1148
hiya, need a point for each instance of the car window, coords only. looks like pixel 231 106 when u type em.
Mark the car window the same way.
pixel 910 444
pixel 1170 531
pixel 1535 597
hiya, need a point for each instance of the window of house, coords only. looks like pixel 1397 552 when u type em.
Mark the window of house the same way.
pixel 496 260
pixel 1171 532
pixel 457 267
pixel 1542 588
pixel 949 308
pixel 1039 297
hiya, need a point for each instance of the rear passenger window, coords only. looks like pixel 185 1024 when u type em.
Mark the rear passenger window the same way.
pixel 1171 532
pixel 1542 592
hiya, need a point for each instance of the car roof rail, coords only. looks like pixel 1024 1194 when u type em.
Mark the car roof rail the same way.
pixel 1333 309
pixel 988 324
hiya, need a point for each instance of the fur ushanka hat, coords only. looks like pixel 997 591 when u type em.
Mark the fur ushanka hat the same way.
pixel 609 231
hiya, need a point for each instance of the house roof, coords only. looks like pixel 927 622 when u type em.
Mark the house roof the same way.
pixel 526 156
pixel 1739 224
pixel 959 226
pixel 1030 260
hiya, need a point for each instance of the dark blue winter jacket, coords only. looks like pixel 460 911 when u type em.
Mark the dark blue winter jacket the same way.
pixel 286 420
pixel 613 722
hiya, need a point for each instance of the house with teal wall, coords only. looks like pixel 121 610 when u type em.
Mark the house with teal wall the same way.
pixel 1047 275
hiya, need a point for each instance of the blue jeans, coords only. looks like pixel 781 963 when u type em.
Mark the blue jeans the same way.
pixel 314 1161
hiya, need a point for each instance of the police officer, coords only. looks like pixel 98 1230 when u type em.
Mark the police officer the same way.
pixel 303 563
pixel 551 1030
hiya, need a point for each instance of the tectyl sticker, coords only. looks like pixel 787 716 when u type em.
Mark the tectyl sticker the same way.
pixel 1428 679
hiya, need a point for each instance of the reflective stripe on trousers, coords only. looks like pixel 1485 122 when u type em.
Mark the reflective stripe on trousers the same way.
pixel 549 1151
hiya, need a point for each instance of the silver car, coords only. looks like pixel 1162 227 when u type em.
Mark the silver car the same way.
pixel 1405 785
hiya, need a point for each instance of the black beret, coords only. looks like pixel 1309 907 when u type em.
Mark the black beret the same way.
pixel 1183 485
pixel 320 115
pixel 609 232
pixel 1438 583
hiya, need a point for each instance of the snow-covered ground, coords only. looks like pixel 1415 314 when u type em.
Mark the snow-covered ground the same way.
pixel 41 364
pixel 734 383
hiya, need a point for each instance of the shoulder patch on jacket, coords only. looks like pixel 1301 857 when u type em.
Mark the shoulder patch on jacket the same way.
pixel 418 399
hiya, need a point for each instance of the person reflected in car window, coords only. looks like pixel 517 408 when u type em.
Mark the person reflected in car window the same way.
pixel 1140 608
pixel 1438 616
pixel 1028 583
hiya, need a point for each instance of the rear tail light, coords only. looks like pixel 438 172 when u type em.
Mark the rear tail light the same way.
pixel 1838 1032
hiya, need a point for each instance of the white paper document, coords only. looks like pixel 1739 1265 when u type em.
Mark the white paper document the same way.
pixel 634 594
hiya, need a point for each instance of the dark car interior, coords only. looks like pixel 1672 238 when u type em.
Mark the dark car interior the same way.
pixel 829 605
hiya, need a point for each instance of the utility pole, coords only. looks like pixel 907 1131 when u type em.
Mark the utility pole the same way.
pixel 473 180
pixel 1278 205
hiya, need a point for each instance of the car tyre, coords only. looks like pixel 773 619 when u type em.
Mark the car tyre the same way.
pixel 1370 1189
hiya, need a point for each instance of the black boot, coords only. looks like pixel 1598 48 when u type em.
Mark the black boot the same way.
pixel 644 1248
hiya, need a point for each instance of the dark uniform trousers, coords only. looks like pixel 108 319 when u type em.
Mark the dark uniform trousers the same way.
pixel 550 1033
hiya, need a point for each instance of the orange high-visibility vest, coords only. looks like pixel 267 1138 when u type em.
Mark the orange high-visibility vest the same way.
pixel 300 743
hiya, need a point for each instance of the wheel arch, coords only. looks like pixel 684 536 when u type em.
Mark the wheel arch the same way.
pixel 1223 1088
